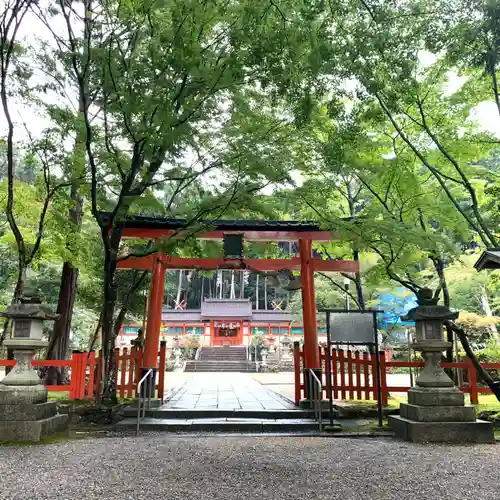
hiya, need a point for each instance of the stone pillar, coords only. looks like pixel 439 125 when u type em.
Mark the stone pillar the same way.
pixel 436 409
pixel 25 413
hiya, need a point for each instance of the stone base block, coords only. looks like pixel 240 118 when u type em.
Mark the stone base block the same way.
pixel 28 412
pixel 22 394
pixel 155 403
pixel 438 413
pixel 435 396
pixel 32 430
pixel 442 432
pixel 307 404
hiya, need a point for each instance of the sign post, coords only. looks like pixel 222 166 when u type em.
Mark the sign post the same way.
pixel 352 328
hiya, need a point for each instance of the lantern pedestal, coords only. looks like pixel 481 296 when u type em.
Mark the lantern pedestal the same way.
pixel 436 410
pixel 25 413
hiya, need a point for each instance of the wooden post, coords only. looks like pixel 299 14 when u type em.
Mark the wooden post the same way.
pixel 350 374
pixel 323 359
pixel 123 371
pixel 74 376
pixel 83 374
pixel 77 381
pixel 130 377
pixel 383 379
pixel 137 368
pixel 358 375
pixel 341 372
pixel 335 374
pixel 212 332
pixel 474 395
pixel 366 374
pixel 90 386
pixel 296 370
pixel 161 369
pixel 373 366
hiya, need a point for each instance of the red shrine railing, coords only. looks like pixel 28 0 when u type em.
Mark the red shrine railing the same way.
pixel 353 375
pixel 85 372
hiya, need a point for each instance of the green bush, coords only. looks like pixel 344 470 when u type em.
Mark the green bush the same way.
pixel 490 354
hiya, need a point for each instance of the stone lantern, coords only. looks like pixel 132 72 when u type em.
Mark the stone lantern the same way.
pixel 435 410
pixel 264 351
pixel 286 343
pixel 25 414
pixel 429 318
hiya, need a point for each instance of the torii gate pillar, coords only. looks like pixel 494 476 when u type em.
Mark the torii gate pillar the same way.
pixel 311 349
pixel 156 290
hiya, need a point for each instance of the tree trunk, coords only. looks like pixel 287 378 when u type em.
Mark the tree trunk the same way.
pixel 59 342
pixel 108 348
pixel 443 284
pixel 494 385
pixel 108 388
pixel 18 293
pixel 96 333
pixel 358 283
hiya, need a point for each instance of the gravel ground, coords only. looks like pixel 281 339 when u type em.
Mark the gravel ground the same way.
pixel 246 468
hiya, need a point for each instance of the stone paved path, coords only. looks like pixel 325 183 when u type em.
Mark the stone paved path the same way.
pixel 247 467
pixel 228 391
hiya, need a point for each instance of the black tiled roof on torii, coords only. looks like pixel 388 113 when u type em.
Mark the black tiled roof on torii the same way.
pixel 142 222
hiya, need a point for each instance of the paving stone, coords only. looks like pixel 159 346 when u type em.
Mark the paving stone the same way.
pixel 244 420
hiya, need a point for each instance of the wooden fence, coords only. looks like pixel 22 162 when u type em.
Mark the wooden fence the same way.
pixel 353 375
pixel 85 372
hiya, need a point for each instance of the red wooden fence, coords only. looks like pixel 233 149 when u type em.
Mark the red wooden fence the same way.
pixel 353 375
pixel 85 372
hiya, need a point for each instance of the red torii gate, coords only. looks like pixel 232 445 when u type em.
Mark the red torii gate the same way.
pixel 303 232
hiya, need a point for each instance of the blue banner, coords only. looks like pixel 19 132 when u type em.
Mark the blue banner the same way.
pixel 395 305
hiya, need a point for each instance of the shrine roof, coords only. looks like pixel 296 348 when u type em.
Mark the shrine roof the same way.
pixel 489 259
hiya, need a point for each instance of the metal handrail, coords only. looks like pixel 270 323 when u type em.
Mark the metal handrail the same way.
pixel 145 377
pixel 315 395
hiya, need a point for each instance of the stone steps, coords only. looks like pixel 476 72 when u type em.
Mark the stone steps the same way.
pixel 221 359
pixel 219 366
pixel 223 354
pixel 218 413
pixel 220 425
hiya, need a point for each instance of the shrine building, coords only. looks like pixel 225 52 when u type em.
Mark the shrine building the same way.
pixel 222 322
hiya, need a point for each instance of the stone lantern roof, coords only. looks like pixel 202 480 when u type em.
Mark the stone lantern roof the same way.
pixel 429 309
pixel 30 308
